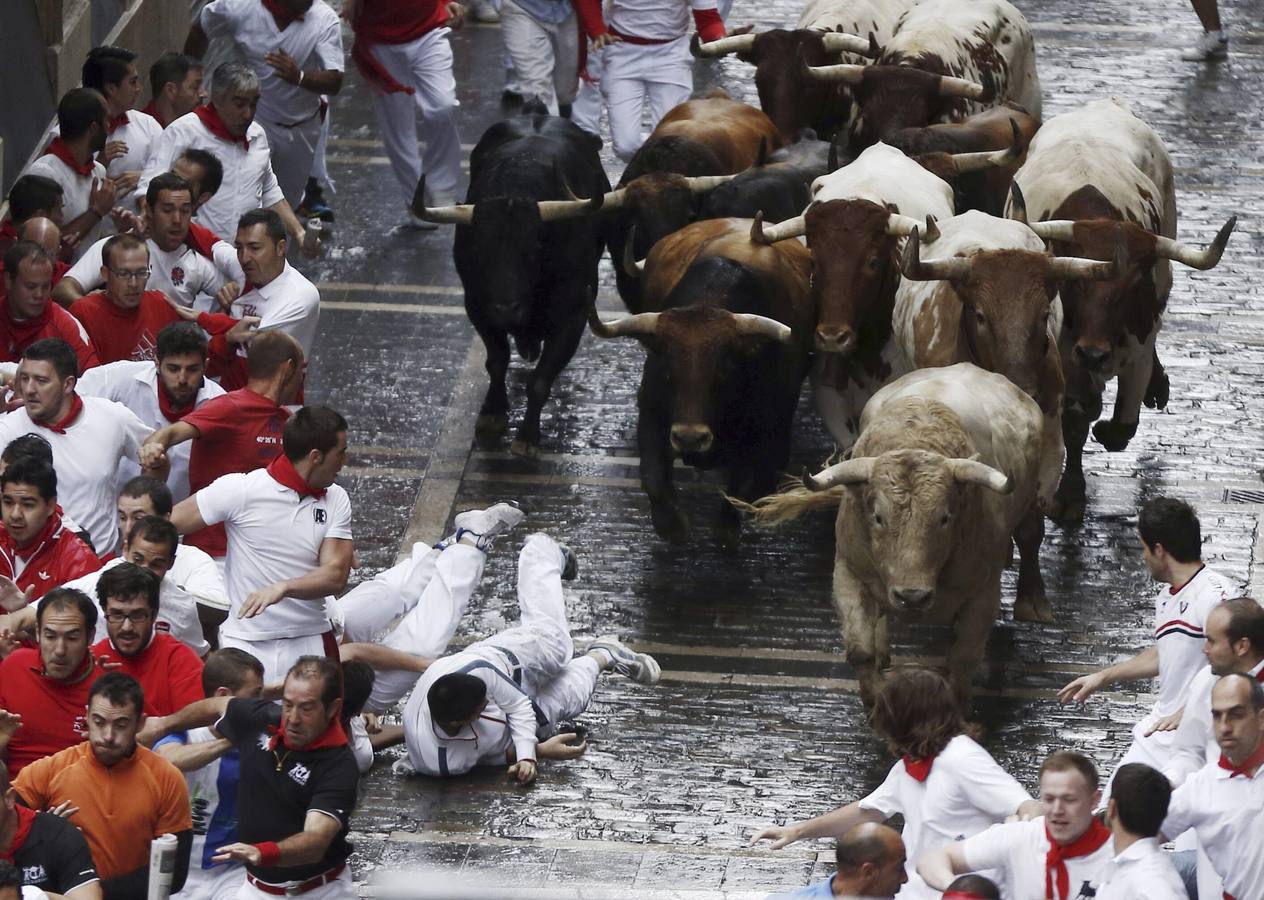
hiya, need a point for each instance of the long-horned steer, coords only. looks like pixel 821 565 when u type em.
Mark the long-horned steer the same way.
pixel 943 473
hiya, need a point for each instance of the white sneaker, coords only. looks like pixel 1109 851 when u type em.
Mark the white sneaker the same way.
pixel 485 525
pixel 640 667
pixel 1212 45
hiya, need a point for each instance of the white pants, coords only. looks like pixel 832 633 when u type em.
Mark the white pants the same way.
pixel 277 655
pixel 215 883
pixel 635 73
pixel 425 65
pixel 293 152
pixel 545 56
pixel 430 590
pixel 341 888
pixel 320 169
pixel 586 111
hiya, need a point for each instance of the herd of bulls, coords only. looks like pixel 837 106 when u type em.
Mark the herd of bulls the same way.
pixel 959 280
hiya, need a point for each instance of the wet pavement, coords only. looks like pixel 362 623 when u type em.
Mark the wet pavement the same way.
pixel 757 718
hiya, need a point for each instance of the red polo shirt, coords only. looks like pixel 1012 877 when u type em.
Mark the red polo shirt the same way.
pixel 169 672
pixel 124 333
pixel 55 322
pixel 54 713
pixel 240 432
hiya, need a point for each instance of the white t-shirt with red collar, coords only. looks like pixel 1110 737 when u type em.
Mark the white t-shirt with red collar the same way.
pixel 965 792
pixel 1018 851
pixel 1179 617
pixel 273 534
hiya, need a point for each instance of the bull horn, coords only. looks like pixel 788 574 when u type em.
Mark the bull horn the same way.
pixel 1197 259
pixel 960 87
pixel 1054 229
pixel 762 326
pixel 1071 268
pixel 915 268
pixel 639 325
pixel 932 229
pixel 971 471
pixel 1017 203
pixel 699 184
pixel 460 214
pixel 614 199
pixel 557 210
pixel 737 43
pixel 990 159
pixel 631 267
pixel 875 49
pixel 902 226
pixel 849 471
pixel 837 42
pixel 844 72
pixel 770 234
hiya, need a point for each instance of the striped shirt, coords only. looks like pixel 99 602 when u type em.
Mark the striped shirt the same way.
pixel 1178 633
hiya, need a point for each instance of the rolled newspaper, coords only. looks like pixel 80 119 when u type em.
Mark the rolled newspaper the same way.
pixel 162 865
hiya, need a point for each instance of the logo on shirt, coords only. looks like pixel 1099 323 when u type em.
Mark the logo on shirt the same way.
pixel 320 516
pixel 265 742
pixel 249 309
pixel 1184 606
pixel 44 576
pixel 34 875
pixel 177 276
pixel 162 626
pixel 80 726
pixel 300 773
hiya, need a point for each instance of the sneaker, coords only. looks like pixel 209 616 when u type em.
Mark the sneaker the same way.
pixel 570 569
pixel 1212 45
pixel 485 525
pixel 640 667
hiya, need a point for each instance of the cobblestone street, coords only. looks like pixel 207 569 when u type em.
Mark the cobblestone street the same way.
pixel 757 718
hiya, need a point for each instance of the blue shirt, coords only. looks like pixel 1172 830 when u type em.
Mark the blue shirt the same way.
pixel 547 12
pixel 820 889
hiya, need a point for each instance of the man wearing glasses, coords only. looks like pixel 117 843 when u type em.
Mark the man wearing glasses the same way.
pixel 124 319
pixel 169 672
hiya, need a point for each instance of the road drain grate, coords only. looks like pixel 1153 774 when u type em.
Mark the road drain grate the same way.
pixel 1243 495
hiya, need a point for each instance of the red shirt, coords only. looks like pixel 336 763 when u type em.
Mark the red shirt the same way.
pixel 239 432
pixel 54 557
pixel 55 322
pixel 397 21
pixel 169 672
pixel 54 714
pixel 124 333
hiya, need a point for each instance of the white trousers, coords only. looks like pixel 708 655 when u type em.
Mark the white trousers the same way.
pixel 425 65
pixel 430 591
pixel 277 655
pixel 341 888
pixel 660 74
pixel 293 152
pixel 545 56
pixel 586 111
pixel 320 168
pixel 216 883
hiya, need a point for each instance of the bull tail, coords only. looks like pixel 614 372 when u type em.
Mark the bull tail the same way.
pixel 792 501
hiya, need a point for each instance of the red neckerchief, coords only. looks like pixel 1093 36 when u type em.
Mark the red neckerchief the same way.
pixel 215 125
pixel 117 122
pixel 35 544
pixel 26 818
pixel 918 769
pixel 284 474
pixel 76 407
pixel 1055 860
pixel 963 895
pixel 25 332
pixel 282 15
pixel 201 240
pixel 152 109
pixel 169 412
pixel 58 148
pixel 1247 769
pixel 8 231
pixel 333 736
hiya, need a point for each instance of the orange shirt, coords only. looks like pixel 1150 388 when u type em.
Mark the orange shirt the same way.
pixel 121 809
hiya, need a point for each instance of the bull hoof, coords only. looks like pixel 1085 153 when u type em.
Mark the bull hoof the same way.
pixel 490 426
pixel 1157 390
pixel 1114 436
pixel 524 449
pixel 671 525
pixel 1068 504
pixel 1033 609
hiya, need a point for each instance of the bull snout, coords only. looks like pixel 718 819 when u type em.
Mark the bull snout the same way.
pixel 835 338
pixel 912 598
pixel 691 438
pixel 1091 358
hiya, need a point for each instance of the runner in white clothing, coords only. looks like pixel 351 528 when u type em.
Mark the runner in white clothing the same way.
pixel 1171 545
pixel 111 71
pixel 1224 801
pixel 945 785
pixel 1135 813
pixel 295 47
pixel 1059 856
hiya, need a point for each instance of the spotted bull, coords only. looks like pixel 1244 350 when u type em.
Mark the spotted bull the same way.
pixel 1089 174
pixel 989 297
pixel 947 60
pixel 725 359
pixel 943 474
pixel 527 250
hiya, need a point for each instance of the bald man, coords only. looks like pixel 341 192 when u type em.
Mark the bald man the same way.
pixel 870 861
pixel 45 233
